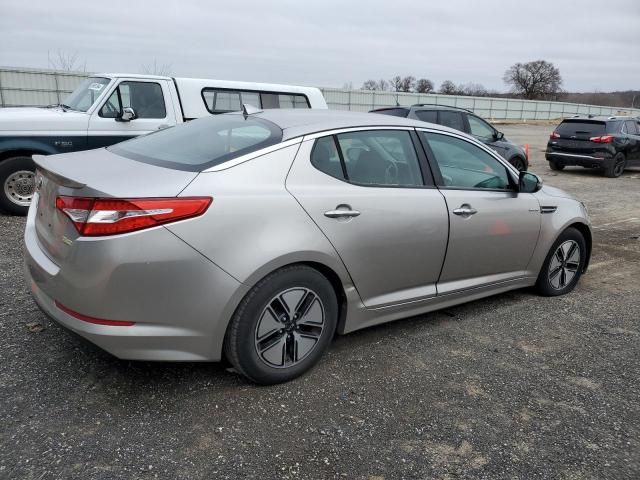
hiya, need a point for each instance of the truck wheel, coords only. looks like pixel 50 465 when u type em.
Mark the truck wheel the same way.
pixel 17 177
pixel 616 166
pixel 553 165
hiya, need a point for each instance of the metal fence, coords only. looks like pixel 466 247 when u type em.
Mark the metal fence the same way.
pixel 38 87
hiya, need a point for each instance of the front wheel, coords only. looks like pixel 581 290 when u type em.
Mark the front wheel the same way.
pixel 283 325
pixel 564 264
pixel 519 163
pixel 17 177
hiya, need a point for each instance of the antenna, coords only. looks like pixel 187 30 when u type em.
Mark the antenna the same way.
pixel 248 109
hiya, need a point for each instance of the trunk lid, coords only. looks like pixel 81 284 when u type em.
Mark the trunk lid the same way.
pixel 575 136
pixel 93 173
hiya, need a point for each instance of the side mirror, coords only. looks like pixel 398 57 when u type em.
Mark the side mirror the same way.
pixel 529 182
pixel 498 135
pixel 128 114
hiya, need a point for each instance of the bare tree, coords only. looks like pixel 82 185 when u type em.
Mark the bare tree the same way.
pixel 448 88
pixel 534 80
pixel 155 68
pixel 369 85
pixel 347 86
pixel 424 85
pixel 65 61
pixel 383 85
pixel 473 90
pixel 407 83
pixel 395 83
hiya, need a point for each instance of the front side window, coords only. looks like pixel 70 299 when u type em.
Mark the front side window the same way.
pixel 201 144
pixel 465 165
pixel 451 119
pixel 86 94
pixel 145 98
pixel 370 158
pixel 481 129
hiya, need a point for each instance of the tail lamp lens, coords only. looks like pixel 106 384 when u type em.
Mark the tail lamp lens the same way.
pixel 602 139
pixel 112 216
pixel 554 135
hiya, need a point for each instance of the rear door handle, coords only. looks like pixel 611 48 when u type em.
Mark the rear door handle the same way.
pixel 465 210
pixel 342 211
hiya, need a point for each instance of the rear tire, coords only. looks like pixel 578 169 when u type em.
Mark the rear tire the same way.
pixel 283 325
pixel 616 167
pixel 553 165
pixel 564 264
pixel 17 184
pixel 519 163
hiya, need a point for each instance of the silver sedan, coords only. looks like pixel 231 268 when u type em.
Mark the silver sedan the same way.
pixel 259 236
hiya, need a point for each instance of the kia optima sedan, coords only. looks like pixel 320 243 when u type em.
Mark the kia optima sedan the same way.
pixel 257 236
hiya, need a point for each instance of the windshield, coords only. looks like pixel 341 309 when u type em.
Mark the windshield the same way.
pixel 200 144
pixel 86 94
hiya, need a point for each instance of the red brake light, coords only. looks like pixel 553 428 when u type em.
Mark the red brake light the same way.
pixel 111 216
pixel 602 139
pixel 554 135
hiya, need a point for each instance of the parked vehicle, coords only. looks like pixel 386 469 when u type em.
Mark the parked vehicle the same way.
pixel 608 143
pixel 257 236
pixel 465 121
pixel 109 108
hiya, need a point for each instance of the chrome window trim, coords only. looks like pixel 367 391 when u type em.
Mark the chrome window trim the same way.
pixel 336 131
pixel 252 155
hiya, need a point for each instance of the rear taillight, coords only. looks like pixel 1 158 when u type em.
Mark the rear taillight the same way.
pixel 602 139
pixel 94 217
pixel 554 135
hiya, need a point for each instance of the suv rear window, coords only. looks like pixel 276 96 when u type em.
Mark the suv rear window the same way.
pixel 581 128
pixel 201 144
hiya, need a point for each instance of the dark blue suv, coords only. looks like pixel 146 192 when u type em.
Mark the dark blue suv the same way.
pixel 465 121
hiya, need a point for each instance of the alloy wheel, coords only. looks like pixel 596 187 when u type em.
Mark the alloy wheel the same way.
pixel 564 264
pixel 289 327
pixel 618 168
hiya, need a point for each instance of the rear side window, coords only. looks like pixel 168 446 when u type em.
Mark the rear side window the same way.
pixel 202 143
pixel 369 158
pixel 430 116
pixel 451 119
pixel 219 100
pixel 631 127
pixel 581 128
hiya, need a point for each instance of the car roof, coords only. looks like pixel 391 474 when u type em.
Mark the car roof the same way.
pixel 298 122
pixel 600 118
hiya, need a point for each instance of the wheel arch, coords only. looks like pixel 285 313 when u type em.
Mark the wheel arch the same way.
pixel 588 239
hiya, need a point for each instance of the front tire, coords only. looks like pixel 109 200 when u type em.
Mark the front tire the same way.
pixel 564 264
pixel 283 325
pixel 616 167
pixel 519 163
pixel 17 184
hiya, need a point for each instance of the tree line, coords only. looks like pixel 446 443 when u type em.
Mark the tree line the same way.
pixel 537 80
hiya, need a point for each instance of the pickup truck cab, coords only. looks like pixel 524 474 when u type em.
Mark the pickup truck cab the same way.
pixel 109 108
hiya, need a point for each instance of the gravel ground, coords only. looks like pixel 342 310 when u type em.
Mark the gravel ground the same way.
pixel 514 386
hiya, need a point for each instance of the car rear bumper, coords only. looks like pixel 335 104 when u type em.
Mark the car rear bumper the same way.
pixel 580 160
pixel 179 302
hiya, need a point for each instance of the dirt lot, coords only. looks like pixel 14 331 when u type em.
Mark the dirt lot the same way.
pixel 514 386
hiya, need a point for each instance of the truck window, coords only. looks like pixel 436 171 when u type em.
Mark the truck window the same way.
pixel 218 100
pixel 84 96
pixel 145 98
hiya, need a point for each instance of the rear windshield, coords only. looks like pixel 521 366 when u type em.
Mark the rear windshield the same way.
pixel 581 128
pixel 202 143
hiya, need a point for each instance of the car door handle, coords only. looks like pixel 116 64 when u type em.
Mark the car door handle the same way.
pixel 465 210
pixel 342 213
pixel 163 126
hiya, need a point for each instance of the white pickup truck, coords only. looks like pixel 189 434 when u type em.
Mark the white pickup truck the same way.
pixel 109 108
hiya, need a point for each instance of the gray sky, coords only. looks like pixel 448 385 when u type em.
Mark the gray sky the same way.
pixel 329 43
